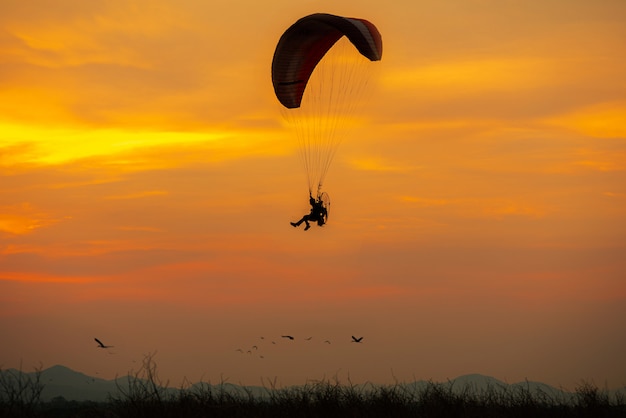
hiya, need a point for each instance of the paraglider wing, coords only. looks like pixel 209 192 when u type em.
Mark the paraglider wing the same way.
pixel 305 43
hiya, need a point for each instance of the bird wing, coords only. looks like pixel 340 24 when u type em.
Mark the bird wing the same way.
pixel 99 342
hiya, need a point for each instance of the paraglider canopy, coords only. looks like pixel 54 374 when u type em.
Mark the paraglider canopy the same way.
pixel 306 42
pixel 321 68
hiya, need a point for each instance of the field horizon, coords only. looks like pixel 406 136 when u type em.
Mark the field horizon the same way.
pixel 73 385
pixel 61 392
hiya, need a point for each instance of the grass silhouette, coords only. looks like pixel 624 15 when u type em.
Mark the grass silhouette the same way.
pixel 143 394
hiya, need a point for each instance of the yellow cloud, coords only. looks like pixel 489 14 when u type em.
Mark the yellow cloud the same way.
pixel 17 224
pixel 91 33
pixel 471 75
pixel 607 120
pixel 378 164
pixel 424 201
pixel 22 219
pixel 603 165
pixel 514 209
pixel 493 208
pixel 131 149
pixel 138 195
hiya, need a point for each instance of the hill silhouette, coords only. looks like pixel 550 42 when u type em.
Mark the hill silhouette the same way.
pixel 61 381
pixel 60 391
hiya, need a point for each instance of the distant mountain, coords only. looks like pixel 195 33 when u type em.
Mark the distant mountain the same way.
pixel 72 385
pixel 60 381
pixel 476 383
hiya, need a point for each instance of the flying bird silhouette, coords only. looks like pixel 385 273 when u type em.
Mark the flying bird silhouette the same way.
pixel 356 340
pixel 308 339
pixel 287 336
pixel 100 345
pixel 327 342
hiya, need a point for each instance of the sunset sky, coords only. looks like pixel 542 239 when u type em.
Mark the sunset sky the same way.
pixel 478 218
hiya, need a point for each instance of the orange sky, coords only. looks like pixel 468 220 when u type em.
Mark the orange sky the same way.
pixel 478 217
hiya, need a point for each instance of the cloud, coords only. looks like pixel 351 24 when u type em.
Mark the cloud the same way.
pixel 132 150
pixel 478 75
pixel 42 277
pixel 603 120
pixel 23 219
pixel 138 195
pixel 380 164
pixel 117 64
pixel 483 207
pixel 506 209
pixel 423 201
pixel 139 228
pixel 602 165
